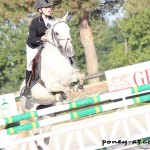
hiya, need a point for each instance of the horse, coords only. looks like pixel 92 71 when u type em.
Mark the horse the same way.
pixel 57 69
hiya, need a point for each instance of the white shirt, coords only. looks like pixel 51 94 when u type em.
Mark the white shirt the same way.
pixel 45 20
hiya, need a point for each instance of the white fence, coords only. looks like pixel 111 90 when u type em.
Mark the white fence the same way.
pixel 96 131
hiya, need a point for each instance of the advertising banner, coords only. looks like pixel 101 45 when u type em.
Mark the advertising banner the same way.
pixel 8 105
pixel 129 76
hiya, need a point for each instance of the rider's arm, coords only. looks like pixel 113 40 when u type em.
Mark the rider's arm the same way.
pixel 34 36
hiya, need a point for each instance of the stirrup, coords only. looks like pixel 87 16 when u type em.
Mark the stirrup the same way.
pixel 26 92
pixel 29 103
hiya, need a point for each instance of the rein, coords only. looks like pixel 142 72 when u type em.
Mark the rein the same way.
pixel 54 38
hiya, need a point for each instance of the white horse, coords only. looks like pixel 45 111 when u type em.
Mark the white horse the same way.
pixel 57 73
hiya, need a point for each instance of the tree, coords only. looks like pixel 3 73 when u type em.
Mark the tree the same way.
pixel 80 9
pixel 17 11
pixel 104 37
pixel 83 10
pixel 136 29
pixel 135 7
pixel 12 56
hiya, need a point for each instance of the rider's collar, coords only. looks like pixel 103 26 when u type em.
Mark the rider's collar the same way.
pixel 47 17
pixel 47 20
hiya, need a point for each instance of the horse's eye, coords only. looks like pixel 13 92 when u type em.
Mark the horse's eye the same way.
pixel 56 33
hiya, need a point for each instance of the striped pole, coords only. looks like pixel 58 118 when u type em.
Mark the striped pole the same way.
pixel 127 92
pixel 71 105
pixel 76 104
pixel 75 128
pixel 73 115
pixel 140 88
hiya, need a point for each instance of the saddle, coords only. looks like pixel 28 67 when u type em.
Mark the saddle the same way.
pixel 36 70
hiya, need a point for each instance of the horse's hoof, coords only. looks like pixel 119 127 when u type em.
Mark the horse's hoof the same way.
pixel 39 147
pixel 80 87
pixel 61 96
pixel 12 125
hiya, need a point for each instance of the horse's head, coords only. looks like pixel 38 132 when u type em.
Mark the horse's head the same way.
pixel 59 35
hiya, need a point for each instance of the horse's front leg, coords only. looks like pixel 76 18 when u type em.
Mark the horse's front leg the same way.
pixel 60 96
pixel 59 91
pixel 80 81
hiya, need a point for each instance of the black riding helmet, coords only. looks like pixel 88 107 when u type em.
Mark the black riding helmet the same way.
pixel 42 3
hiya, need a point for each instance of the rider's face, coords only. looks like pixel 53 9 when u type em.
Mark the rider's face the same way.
pixel 46 11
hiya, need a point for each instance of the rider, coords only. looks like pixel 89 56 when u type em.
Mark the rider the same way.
pixel 36 37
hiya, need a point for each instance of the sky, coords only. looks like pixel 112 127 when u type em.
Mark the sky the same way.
pixel 113 17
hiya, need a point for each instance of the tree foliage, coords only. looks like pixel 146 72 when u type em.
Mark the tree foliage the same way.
pixel 12 56
pixel 109 40
pixel 104 37
pixel 135 7
pixel 15 9
pixel 136 29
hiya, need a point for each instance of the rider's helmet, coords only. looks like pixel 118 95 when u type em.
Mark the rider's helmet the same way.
pixel 42 3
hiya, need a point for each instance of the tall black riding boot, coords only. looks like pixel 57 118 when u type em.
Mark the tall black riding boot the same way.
pixel 28 75
pixel 27 86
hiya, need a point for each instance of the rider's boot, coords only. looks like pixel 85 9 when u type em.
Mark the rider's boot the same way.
pixel 26 91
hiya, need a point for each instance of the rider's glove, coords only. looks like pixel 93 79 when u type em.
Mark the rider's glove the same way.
pixel 44 38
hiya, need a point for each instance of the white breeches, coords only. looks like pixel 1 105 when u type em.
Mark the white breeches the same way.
pixel 31 53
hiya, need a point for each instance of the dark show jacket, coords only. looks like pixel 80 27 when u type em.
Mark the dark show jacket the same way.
pixel 36 31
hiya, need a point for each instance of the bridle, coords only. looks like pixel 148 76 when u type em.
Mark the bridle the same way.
pixel 56 40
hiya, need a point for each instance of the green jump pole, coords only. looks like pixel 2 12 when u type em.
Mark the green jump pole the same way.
pixel 73 115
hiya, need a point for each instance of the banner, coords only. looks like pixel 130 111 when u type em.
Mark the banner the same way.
pixel 8 105
pixel 129 76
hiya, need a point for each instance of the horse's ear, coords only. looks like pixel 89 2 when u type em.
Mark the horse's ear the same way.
pixel 64 18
